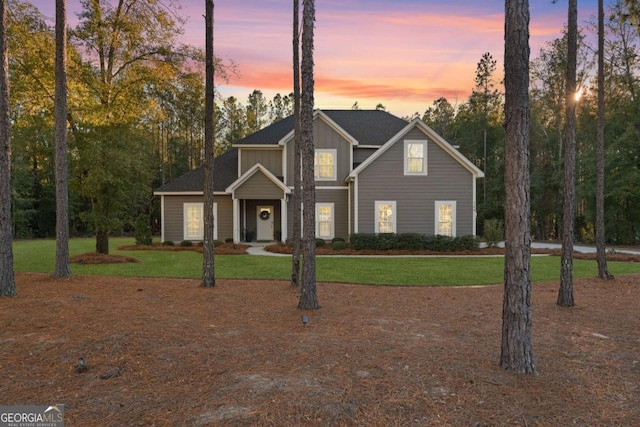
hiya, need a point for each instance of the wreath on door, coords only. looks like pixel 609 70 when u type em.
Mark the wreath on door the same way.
pixel 264 215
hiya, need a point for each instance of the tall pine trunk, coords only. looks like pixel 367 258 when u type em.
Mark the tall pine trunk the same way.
pixel 7 277
pixel 297 188
pixel 308 292
pixel 62 268
pixel 517 350
pixel 603 269
pixel 565 293
pixel 208 267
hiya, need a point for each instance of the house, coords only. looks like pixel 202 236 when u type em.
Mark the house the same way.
pixel 375 173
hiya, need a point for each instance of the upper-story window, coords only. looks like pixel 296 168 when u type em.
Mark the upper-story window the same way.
pixel 325 164
pixel 415 157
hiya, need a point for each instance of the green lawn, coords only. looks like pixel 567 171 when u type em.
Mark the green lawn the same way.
pixel 38 256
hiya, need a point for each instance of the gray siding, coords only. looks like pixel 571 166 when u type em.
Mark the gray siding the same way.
pixel 259 186
pixel 340 209
pixel 340 199
pixel 324 137
pixel 415 196
pixel 174 216
pixel 270 159
pixel 362 154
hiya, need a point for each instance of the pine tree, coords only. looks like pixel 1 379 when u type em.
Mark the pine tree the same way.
pixel 517 350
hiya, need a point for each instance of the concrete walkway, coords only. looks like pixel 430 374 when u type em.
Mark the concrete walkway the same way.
pixel 580 248
pixel 257 248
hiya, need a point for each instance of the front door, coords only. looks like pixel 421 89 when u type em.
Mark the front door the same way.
pixel 264 230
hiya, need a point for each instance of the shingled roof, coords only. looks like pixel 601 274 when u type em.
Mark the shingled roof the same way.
pixel 225 171
pixel 368 127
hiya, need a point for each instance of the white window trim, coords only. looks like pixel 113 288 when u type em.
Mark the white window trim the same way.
pixel 185 208
pixel 335 163
pixel 439 203
pixel 333 220
pixel 376 217
pixel 406 156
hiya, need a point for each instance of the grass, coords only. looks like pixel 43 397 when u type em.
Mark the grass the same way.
pixel 39 256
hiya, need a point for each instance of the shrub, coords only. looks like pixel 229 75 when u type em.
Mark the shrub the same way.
pixel 410 241
pixel 320 243
pixel 338 245
pixel 218 243
pixel 168 243
pixel 465 243
pixel 186 243
pixel 441 243
pixel 228 240
pixel 360 241
pixel 386 241
pixel 493 232
pixel 338 239
pixel 143 230
pixel 413 242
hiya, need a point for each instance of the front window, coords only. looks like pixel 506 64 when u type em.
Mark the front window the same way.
pixel 324 221
pixel 385 217
pixel 194 221
pixel 324 164
pixel 415 157
pixel 445 219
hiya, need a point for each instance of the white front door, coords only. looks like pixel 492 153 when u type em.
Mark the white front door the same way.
pixel 264 230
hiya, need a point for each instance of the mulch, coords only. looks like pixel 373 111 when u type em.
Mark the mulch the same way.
pixel 168 352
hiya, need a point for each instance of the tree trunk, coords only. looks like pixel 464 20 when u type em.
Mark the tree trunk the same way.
pixel 517 350
pixel 102 242
pixel 297 188
pixel 7 277
pixel 565 293
pixel 208 267
pixel 603 269
pixel 308 293
pixel 62 268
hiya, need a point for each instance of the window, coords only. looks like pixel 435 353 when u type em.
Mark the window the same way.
pixel 445 219
pixel 385 217
pixel 324 164
pixel 415 157
pixel 325 224
pixel 194 221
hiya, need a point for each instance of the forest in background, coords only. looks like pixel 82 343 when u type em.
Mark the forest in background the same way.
pixel 136 120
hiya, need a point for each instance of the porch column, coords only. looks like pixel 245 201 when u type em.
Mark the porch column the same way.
pixel 236 221
pixel 283 219
pixel 162 218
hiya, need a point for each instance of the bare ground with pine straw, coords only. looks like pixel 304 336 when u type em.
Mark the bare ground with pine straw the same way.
pixel 239 355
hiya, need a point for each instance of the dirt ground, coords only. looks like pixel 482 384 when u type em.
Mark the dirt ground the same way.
pixel 239 355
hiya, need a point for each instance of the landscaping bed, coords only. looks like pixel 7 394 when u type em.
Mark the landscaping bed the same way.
pixel 220 248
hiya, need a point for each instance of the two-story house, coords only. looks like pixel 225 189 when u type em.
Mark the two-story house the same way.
pixel 375 173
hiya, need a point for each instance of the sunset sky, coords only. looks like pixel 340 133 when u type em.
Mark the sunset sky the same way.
pixel 401 53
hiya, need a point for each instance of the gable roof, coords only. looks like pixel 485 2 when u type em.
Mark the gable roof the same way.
pixel 442 143
pixel 225 171
pixel 269 135
pixel 368 127
pixel 257 168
